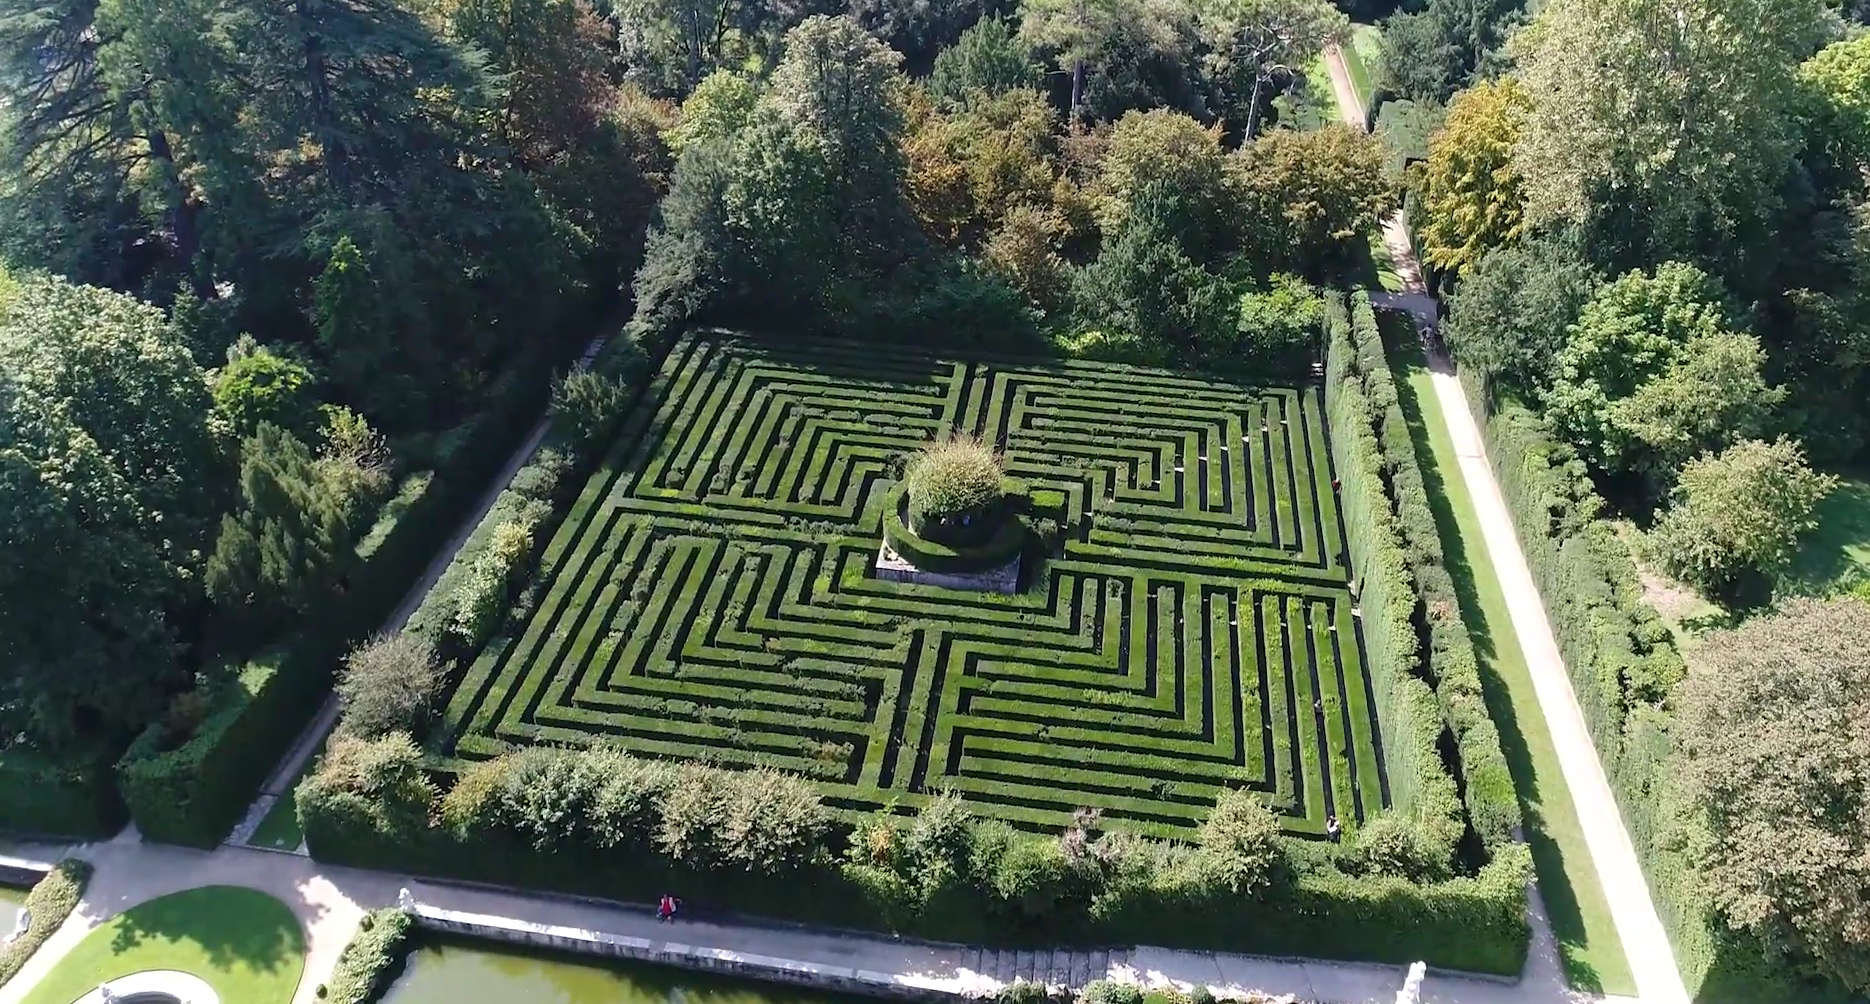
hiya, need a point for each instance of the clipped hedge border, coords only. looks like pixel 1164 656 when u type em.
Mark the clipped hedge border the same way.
pixel 370 958
pixel 1453 669
pixel 1005 544
pixel 50 902
pixel 43 796
pixel 193 794
pixel 1407 708
pixel 535 495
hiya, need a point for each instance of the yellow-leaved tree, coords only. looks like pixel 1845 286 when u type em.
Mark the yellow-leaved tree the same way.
pixel 1472 197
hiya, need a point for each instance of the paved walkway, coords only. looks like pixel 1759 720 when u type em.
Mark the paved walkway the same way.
pixel 329 901
pixel 1634 914
pixel 1652 963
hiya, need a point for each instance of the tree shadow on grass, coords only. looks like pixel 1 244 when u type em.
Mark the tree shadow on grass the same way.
pixel 1561 902
pixel 1836 555
pixel 231 926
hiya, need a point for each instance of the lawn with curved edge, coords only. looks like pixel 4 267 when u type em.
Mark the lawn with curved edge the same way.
pixel 712 595
pixel 246 944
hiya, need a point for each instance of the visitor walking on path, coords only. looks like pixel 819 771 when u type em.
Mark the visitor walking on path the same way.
pixel 665 910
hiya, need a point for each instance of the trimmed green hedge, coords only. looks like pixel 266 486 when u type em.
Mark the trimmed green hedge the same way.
pixel 370 958
pixel 70 798
pixel 1003 546
pixel 1406 705
pixel 882 875
pixel 50 902
pixel 1453 670
pixel 536 496
pixel 1623 663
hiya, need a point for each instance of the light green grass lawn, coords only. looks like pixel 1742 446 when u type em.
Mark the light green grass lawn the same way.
pixel 1363 61
pixel 1587 939
pixel 279 829
pixel 1835 557
pixel 247 945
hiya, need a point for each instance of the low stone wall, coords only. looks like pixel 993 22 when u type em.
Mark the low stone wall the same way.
pixel 21 873
pixel 560 938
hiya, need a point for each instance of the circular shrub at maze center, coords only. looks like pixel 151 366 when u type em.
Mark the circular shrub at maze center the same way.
pixel 953 489
pixel 710 596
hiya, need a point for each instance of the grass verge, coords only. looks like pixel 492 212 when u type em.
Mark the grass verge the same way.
pixel 1587 938
pixel 1835 557
pixel 279 828
pixel 247 945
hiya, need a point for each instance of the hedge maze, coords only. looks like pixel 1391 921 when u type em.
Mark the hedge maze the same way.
pixel 710 595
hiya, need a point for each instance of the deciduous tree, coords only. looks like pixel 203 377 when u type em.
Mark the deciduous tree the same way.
pixel 1251 43
pixel 1087 35
pixel 1738 512
pixel 1472 197
pixel 1508 317
pixel 1666 122
pixel 1628 333
pixel 1302 196
pixel 107 470
pixel 1775 763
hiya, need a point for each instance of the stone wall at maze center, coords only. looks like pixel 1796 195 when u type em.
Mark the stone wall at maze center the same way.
pixel 709 596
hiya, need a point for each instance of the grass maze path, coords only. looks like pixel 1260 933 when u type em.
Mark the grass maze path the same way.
pixel 710 595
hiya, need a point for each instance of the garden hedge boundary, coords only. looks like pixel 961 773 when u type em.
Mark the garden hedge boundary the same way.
pixel 49 903
pixel 1623 662
pixel 1474 922
pixel 1453 669
pixel 72 798
pixel 194 793
pixel 369 959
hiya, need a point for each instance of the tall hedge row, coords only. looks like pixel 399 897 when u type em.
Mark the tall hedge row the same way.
pixel 194 793
pixel 1623 662
pixel 1406 707
pixel 73 797
pixel 597 822
pixel 1453 670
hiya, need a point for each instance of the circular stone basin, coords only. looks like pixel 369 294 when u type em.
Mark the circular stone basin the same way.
pixel 154 986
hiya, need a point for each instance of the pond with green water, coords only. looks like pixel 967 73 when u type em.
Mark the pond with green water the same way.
pixel 462 972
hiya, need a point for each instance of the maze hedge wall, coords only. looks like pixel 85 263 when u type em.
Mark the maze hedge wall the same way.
pixel 709 595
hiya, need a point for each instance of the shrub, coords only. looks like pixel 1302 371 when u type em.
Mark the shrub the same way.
pixel 481 599
pixel 365 965
pixel 1279 325
pixel 1240 842
pixel 375 786
pixel 1737 512
pixel 261 386
pixel 388 684
pixel 1022 991
pixel 586 404
pixel 1034 877
pixel 1110 992
pixel 51 900
pixel 950 480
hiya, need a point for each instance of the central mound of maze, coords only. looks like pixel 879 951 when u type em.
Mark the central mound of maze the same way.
pixel 711 595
